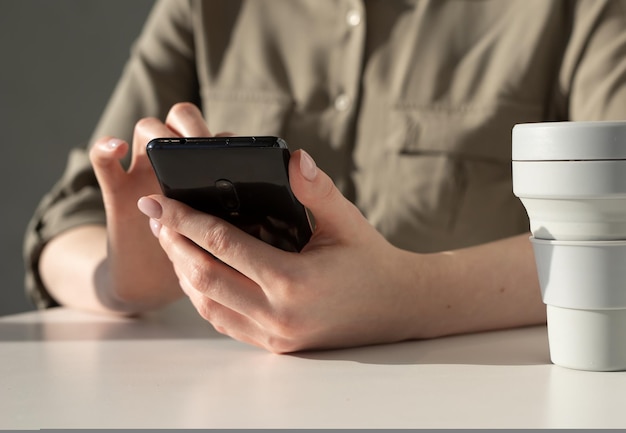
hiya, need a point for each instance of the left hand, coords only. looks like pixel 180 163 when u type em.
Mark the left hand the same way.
pixel 347 287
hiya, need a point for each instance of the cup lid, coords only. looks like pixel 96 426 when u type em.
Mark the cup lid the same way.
pixel 566 141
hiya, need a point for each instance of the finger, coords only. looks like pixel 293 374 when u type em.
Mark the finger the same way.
pixel 145 130
pixel 201 272
pixel 334 215
pixel 227 314
pixel 241 327
pixel 233 304
pixel 224 320
pixel 187 121
pixel 105 156
pixel 250 256
pixel 238 326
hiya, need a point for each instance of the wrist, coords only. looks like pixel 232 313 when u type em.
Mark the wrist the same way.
pixel 430 279
pixel 481 288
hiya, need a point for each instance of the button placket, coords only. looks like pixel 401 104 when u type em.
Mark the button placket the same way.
pixel 345 90
pixel 343 100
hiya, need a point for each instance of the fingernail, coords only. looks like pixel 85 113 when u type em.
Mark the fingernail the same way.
pixel 114 143
pixel 308 167
pixel 150 207
pixel 155 227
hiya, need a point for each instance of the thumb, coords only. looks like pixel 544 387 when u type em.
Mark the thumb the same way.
pixel 333 213
pixel 105 156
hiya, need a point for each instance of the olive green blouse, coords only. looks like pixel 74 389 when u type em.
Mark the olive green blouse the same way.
pixel 407 104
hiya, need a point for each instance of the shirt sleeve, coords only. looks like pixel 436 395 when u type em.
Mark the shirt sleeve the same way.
pixel 160 72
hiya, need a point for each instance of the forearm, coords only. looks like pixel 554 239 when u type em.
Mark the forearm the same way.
pixel 69 264
pixel 75 269
pixel 486 287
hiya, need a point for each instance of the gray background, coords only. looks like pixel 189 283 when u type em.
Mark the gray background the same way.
pixel 59 62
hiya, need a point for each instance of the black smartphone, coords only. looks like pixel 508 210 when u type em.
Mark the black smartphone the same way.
pixel 243 180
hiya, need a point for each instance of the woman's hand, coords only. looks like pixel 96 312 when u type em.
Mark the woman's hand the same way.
pixel 138 273
pixel 120 267
pixel 346 287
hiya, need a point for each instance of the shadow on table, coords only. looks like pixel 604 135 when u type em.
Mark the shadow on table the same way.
pixel 178 322
pixel 523 346
pixel 132 330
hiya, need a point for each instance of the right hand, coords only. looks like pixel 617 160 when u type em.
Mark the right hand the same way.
pixel 136 275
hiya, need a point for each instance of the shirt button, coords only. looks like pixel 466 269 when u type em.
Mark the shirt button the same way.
pixel 342 102
pixel 353 18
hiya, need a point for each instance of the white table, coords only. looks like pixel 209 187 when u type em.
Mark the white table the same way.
pixel 67 369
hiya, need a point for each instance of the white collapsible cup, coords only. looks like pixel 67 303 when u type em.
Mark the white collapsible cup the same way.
pixel 583 284
pixel 571 178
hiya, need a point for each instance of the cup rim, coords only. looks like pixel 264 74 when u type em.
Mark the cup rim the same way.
pixel 568 140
